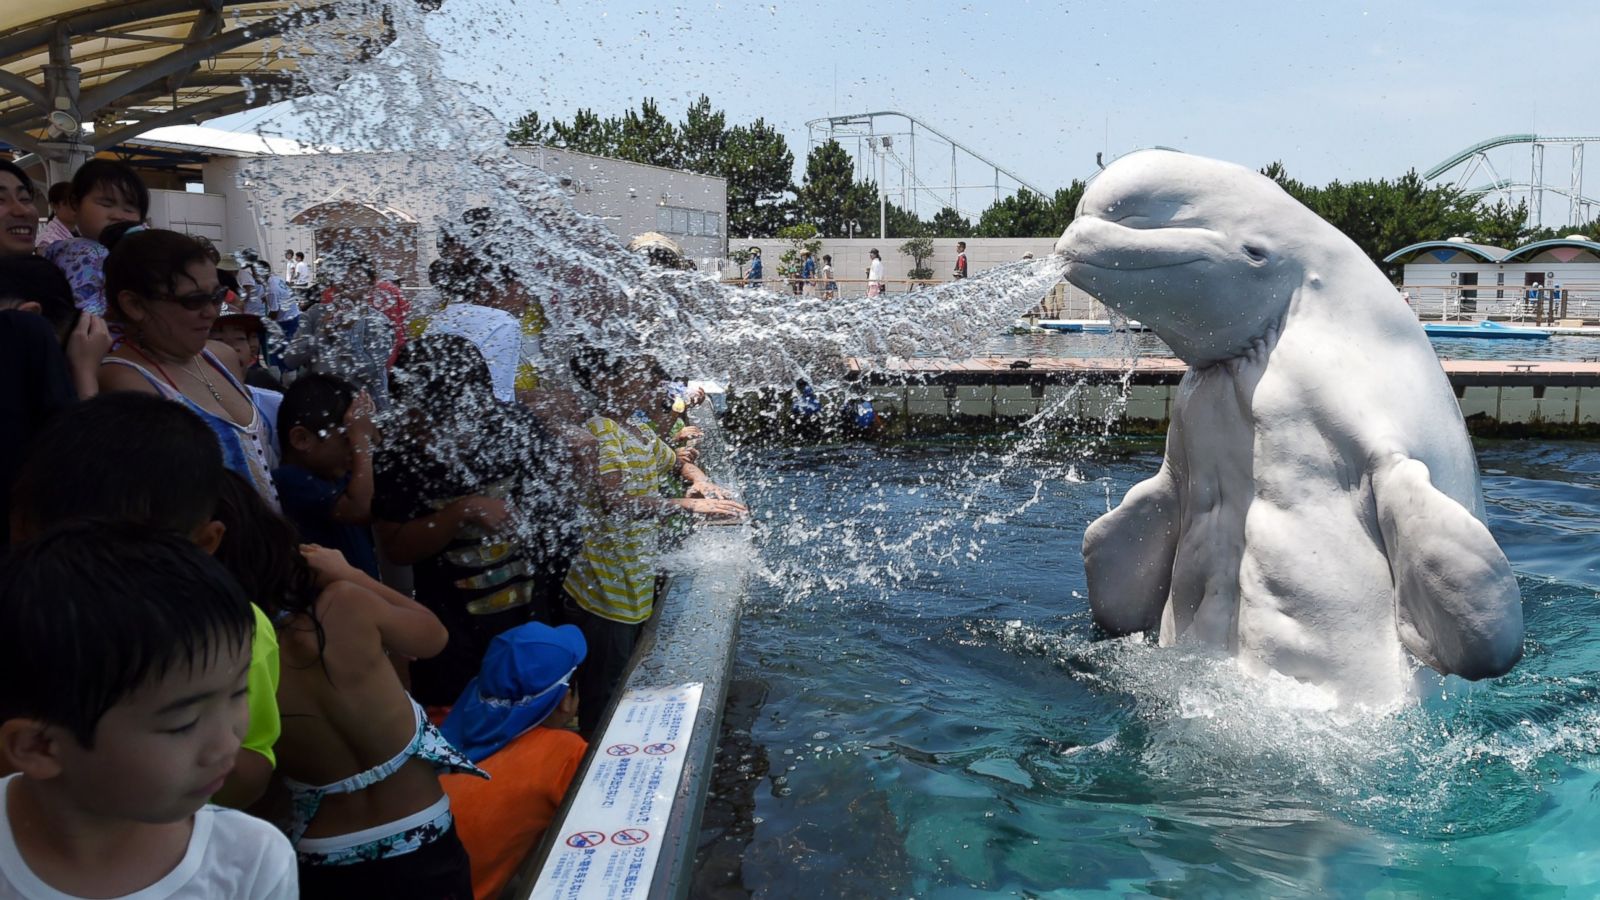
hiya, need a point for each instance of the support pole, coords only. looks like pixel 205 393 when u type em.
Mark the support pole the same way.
pixel 883 195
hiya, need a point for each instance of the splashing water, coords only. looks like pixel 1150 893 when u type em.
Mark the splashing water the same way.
pixel 1124 765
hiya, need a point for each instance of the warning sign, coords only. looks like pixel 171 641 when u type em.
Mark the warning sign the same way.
pixel 623 802
pixel 630 836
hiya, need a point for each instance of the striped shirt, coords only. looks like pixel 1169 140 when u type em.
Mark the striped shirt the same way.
pixel 614 575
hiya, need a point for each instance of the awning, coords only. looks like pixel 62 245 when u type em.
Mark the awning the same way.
pixel 81 76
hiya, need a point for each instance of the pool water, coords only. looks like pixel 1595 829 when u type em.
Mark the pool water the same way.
pixel 1568 348
pixel 923 712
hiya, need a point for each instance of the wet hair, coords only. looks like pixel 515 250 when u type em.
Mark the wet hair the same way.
pixel 149 263
pixel 33 278
pixel 262 550
pixel 118 177
pixel 7 165
pixel 94 611
pixel 59 192
pixel 441 370
pixel 116 231
pixel 317 403
pixel 591 363
pixel 124 457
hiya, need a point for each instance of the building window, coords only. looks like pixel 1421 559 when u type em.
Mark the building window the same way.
pixel 691 222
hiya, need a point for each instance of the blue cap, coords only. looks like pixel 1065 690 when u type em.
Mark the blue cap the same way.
pixel 524 675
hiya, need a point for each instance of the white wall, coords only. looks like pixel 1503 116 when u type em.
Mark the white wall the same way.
pixel 202 214
pixel 263 194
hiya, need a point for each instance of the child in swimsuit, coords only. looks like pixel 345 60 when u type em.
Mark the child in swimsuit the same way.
pixel 360 760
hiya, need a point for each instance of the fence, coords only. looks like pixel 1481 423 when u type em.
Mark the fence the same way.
pixel 1571 305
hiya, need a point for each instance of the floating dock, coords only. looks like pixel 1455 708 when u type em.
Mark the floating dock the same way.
pixel 1555 398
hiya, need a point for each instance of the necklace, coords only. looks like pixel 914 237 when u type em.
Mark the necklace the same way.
pixel 199 375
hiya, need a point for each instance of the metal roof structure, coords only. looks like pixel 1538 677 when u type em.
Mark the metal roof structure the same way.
pixel 1494 254
pixel 81 76
pixel 1528 251
pixel 1485 252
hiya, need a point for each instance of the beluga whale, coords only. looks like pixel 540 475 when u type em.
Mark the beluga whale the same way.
pixel 1317 512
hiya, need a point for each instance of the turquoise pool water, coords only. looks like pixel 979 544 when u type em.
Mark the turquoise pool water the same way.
pixel 924 712
pixel 1560 347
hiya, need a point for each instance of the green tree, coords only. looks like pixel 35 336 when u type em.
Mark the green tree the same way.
pixel 802 237
pixel 1502 225
pixel 701 137
pixel 587 133
pixel 919 249
pixel 758 166
pixel 529 129
pixel 830 197
pixel 1023 214
pixel 647 137
pixel 1590 231
pixel 902 222
pixel 1064 205
pixel 948 223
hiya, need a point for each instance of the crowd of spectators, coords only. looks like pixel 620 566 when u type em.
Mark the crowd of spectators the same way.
pixel 302 589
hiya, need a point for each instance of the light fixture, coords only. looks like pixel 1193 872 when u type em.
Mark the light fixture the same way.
pixel 62 121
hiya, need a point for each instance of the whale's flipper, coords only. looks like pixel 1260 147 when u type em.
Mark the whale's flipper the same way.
pixel 1128 553
pixel 1459 609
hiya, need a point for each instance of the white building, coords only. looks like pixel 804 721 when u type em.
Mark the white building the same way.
pixel 1456 277
pixel 275 195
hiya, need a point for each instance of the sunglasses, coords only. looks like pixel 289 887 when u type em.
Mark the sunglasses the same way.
pixel 198 300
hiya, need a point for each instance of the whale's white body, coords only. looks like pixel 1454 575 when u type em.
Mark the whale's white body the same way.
pixel 1318 511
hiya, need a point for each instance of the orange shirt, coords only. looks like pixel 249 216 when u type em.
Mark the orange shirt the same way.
pixel 501 820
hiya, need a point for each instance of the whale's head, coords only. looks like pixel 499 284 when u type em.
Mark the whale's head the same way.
pixel 1207 253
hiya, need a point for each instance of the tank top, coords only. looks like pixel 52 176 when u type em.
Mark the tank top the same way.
pixel 244 448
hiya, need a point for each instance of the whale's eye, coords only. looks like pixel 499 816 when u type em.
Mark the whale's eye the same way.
pixel 1256 254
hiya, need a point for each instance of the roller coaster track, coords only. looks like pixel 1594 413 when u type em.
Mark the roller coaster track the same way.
pixel 831 127
pixel 1470 159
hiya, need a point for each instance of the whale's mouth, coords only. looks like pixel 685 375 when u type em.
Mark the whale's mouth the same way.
pixel 1130 267
pixel 1112 246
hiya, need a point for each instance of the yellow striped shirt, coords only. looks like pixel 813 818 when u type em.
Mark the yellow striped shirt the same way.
pixel 614 575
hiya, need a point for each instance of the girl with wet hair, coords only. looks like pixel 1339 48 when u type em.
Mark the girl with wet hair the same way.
pixel 359 758
pixel 163 294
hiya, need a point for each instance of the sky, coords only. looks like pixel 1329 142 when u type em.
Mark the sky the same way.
pixel 1334 90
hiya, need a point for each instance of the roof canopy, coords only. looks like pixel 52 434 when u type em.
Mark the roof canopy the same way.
pixel 80 76
pixel 1492 254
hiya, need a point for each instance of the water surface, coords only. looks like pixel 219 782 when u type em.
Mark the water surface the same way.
pixel 924 711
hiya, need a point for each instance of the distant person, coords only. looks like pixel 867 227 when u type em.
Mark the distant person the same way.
pixel 874 273
pixel 961 260
pixel 124 655
pixel 755 264
pixel 830 288
pixel 808 271
pixel 281 304
pixel 63 219
pixel 19 218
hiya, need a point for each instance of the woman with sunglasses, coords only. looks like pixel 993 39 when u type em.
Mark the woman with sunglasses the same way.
pixel 162 293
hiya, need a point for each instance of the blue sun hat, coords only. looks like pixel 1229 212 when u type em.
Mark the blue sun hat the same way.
pixel 524 675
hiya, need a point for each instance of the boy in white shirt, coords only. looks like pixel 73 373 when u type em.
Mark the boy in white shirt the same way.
pixel 123 662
